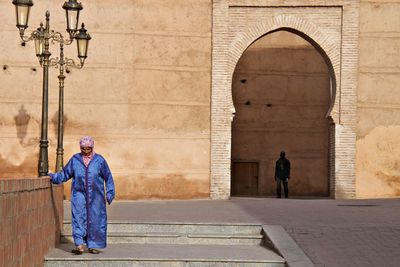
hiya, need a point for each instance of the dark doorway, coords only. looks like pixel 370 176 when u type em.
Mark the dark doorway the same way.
pixel 244 179
pixel 281 93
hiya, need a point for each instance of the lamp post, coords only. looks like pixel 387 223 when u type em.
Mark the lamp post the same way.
pixel 42 37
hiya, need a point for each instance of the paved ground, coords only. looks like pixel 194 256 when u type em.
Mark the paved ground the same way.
pixel 331 232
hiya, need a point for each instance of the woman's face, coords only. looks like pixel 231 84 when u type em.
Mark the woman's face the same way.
pixel 86 151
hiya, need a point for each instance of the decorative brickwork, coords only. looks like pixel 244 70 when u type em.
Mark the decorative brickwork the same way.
pixel 333 30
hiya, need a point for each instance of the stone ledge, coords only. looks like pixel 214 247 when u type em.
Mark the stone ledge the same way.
pixel 286 246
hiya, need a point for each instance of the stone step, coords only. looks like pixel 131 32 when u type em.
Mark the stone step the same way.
pixel 176 228
pixel 166 255
pixel 177 238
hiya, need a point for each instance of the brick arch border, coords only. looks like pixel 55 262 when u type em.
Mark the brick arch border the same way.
pixel 341 55
pixel 307 31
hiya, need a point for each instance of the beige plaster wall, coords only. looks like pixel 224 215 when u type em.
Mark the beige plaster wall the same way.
pixel 378 133
pixel 144 94
pixel 281 90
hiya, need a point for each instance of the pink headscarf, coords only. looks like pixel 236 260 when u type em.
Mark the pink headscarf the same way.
pixel 87 141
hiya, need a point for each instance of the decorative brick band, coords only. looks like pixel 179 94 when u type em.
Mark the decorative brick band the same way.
pixel 333 32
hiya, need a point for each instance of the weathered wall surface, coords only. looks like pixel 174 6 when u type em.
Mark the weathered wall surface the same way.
pixel 378 143
pixel 144 94
pixel 281 90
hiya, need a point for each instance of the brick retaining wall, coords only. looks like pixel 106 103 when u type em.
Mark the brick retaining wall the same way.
pixel 31 214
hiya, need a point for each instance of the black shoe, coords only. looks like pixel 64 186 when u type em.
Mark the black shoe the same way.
pixel 77 251
pixel 94 251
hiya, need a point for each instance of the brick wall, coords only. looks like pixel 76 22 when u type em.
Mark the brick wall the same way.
pixel 31 214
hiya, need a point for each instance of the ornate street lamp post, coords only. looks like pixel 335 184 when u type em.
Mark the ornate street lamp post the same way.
pixel 42 37
pixel 64 62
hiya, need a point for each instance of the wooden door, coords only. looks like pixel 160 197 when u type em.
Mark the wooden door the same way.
pixel 244 178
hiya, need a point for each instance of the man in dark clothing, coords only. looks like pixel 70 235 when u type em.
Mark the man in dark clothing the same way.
pixel 282 175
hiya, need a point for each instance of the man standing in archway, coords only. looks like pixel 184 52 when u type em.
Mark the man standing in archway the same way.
pixel 282 175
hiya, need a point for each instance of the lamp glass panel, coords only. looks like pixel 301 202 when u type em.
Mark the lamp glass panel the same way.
pixel 22 15
pixel 39 47
pixel 72 19
pixel 82 47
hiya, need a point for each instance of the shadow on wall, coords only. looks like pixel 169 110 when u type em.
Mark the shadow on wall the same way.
pixel 19 162
pixel 21 123
pixel 27 168
pixel 22 120
pixel 54 121
pixel 281 92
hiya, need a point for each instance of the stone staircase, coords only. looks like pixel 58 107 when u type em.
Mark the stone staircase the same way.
pixel 172 244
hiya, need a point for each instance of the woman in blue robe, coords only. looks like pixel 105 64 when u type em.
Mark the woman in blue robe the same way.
pixel 90 172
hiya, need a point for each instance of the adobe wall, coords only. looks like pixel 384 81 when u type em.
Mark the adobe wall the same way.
pixel 144 94
pixel 378 127
pixel 145 91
